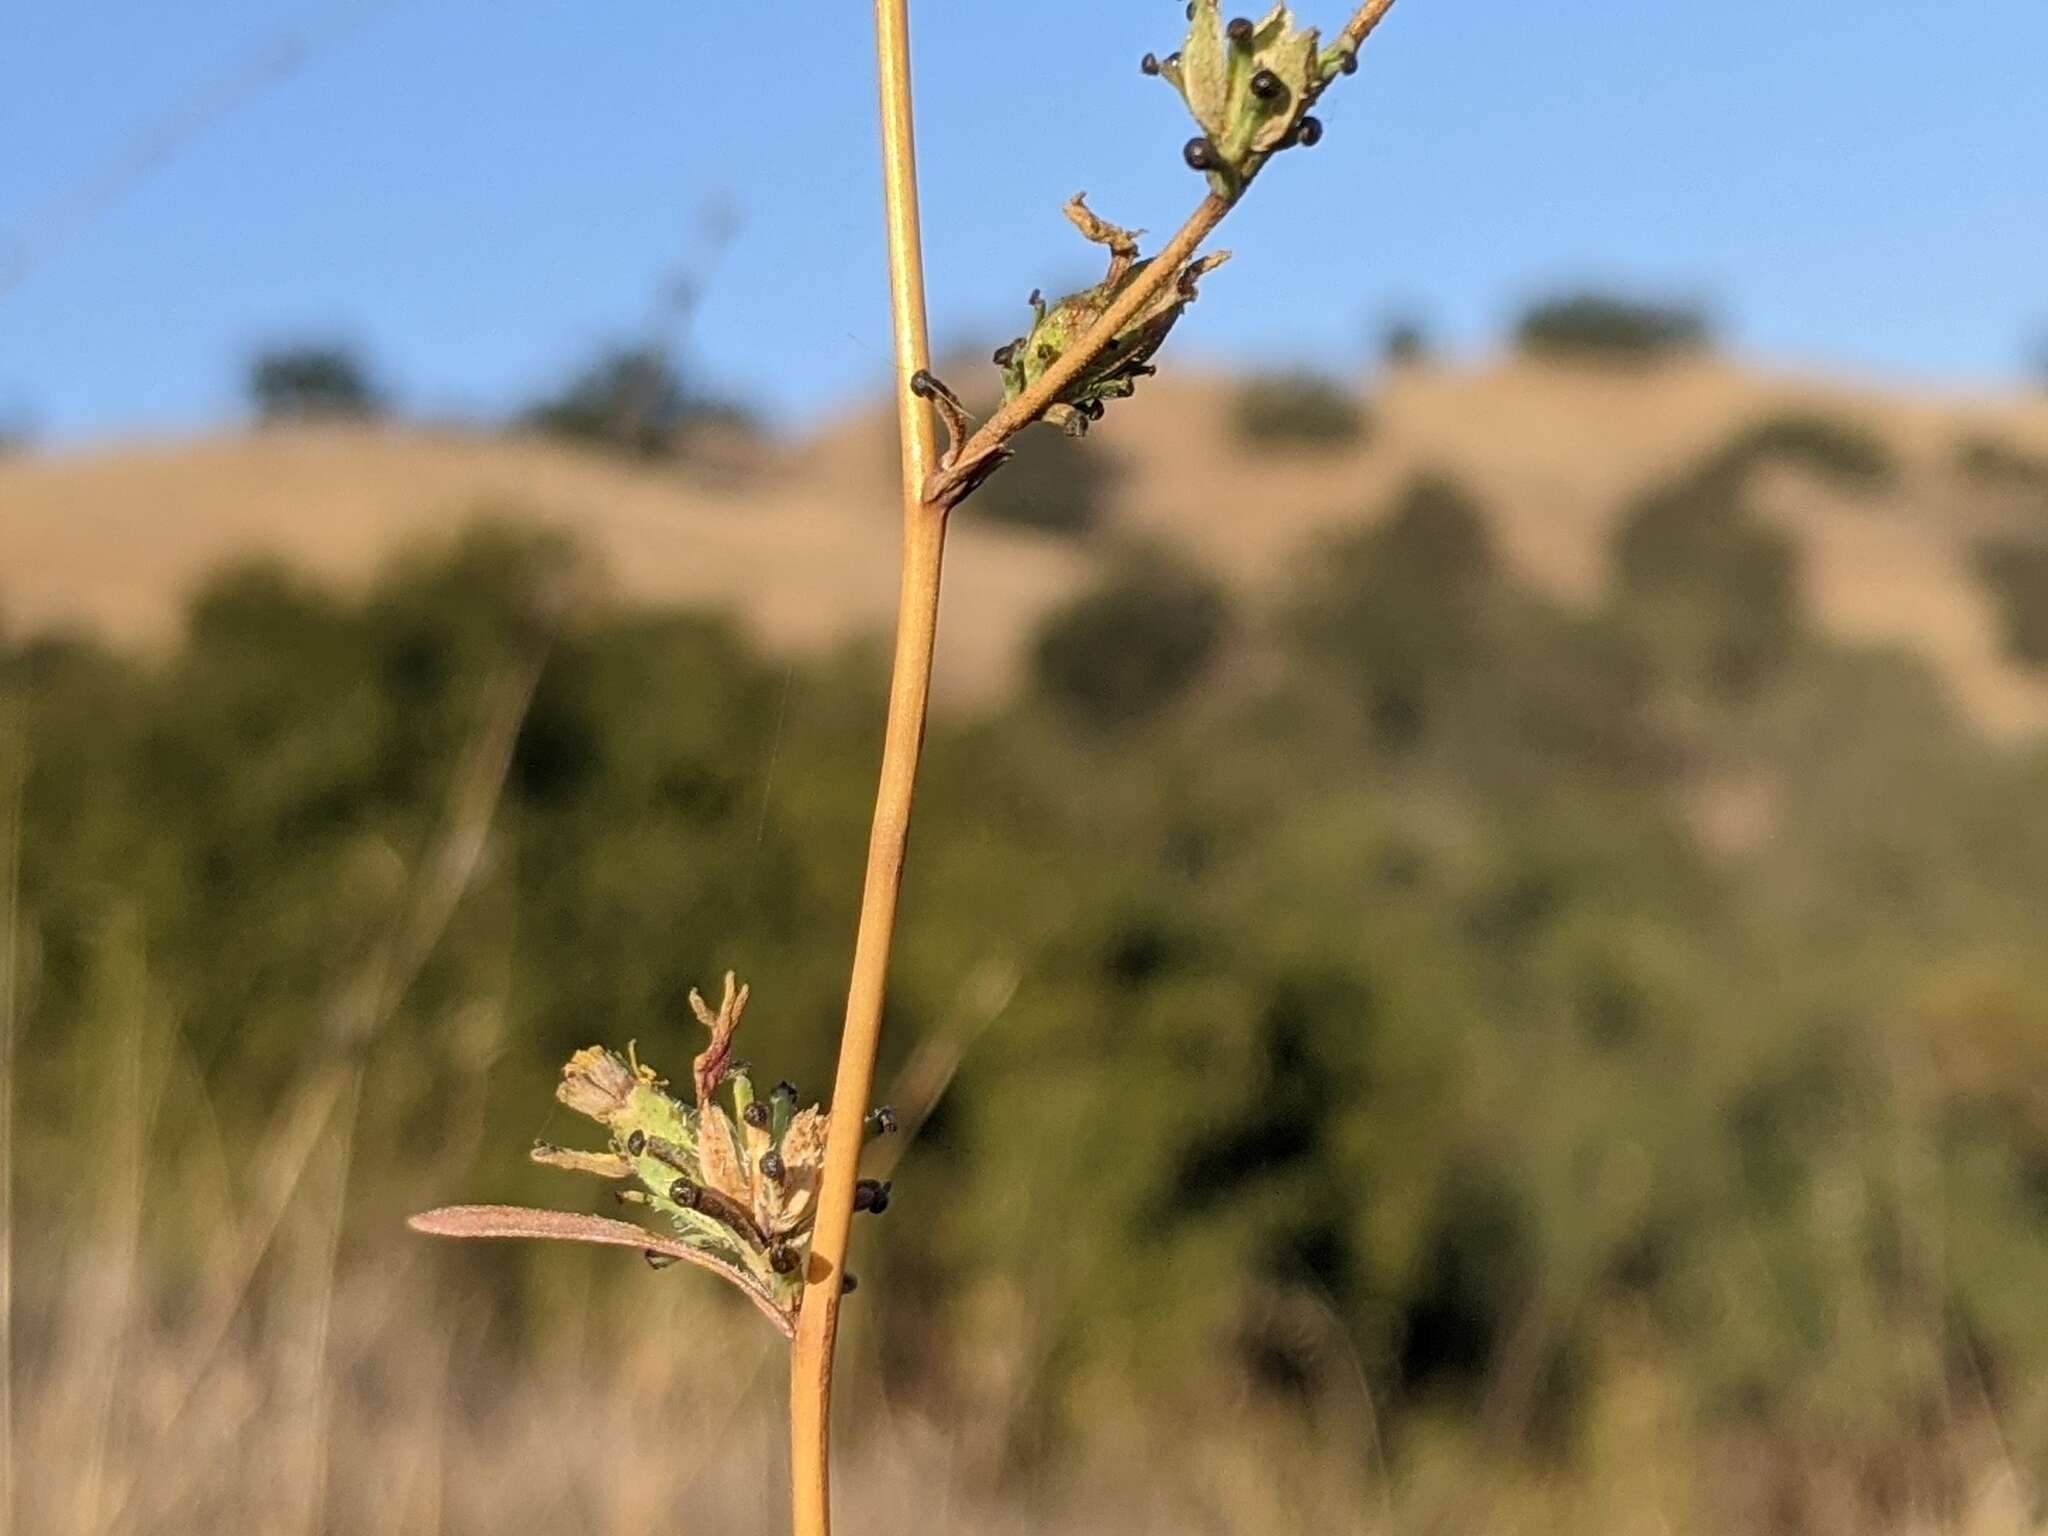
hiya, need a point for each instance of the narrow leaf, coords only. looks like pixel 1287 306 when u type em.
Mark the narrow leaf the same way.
pixel 518 1221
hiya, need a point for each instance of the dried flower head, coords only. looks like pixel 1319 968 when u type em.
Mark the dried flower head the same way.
pixel 715 1061
pixel 739 1185
pixel 1248 85
pixel 596 1083
pixel 1114 373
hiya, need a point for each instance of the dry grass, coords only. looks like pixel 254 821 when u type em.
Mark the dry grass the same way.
pixel 229 1339
pixel 380 1395
pixel 196 1356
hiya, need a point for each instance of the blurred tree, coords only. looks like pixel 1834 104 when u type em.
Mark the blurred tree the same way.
pixel 2016 571
pixel 1055 483
pixel 1298 410
pixel 17 431
pixel 310 382
pixel 1600 327
pixel 630 398
pixel 1845 452
pixel 1995 464
pixel 1140 640
pixel 1404 343
pixel 1397 607
pixel 1712 590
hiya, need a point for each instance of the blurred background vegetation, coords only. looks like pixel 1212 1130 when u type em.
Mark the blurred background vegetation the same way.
pixel 1370 1069
pixel 1474 950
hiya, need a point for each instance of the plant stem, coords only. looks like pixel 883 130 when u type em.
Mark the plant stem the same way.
pixel 924 536
pixel 1363 20
pixel 926 497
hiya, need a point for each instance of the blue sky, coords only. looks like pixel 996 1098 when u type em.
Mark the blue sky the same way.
pixel 478 192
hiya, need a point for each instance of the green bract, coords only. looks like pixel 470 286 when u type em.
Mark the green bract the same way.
pixel 1114 373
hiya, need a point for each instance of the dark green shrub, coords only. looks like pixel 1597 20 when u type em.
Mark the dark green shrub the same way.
pixel 1714 590
pixel 312 382
pixel 1437 537
pixel 1298 410
pixel 1404 344
pixel 1841 451
pixel 631 399
pixel 17 432
pixel 1395 607
pixel 1133 645
pixel 1056 483
pixel 1606 328
pixel 1997 465
pixel 2016 571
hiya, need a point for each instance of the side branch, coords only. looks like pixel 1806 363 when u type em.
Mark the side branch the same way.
pixel 950 483
pixel 969 466
pixel 1361 25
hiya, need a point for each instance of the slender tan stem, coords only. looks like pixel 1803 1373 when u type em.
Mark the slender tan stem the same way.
pixel 926 497
pixel 924 535
pixel 960 475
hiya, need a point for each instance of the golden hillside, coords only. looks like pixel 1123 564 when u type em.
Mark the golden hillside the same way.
pixel 801 546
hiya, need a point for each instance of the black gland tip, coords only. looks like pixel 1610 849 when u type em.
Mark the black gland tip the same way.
pixel 1266 85
pixel 848 1283
pixel 1149 65
pixel 1005 354
pixel 1310 132
pixel 1200 155
pixel 1350 64
pixel 771 1165
pixel 636 1143
pixel 871 1195
pixel 656 1260
pixel 782 1259
pixel 923 385
pixel 786 1089
pixel 756 1115
pixel 1239 31
pixel 683 1193
pixel 882 1119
